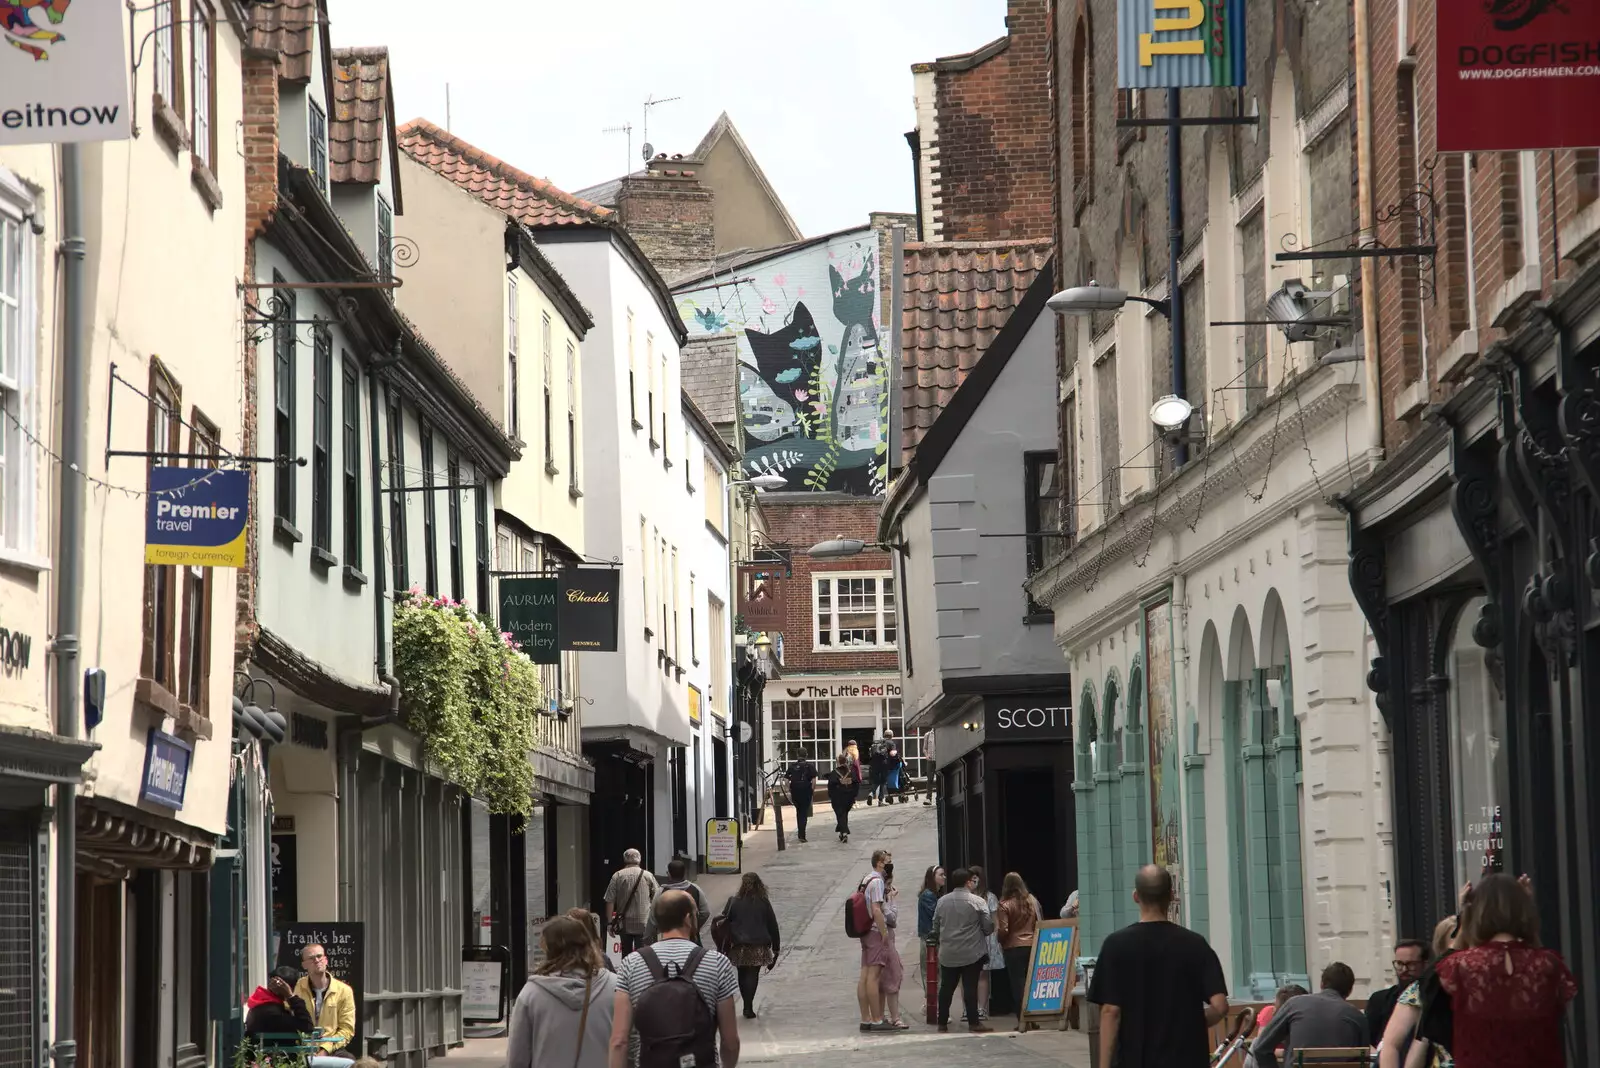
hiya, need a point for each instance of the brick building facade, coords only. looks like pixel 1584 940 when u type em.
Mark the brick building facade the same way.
pixel 1472 545
pixel 983 141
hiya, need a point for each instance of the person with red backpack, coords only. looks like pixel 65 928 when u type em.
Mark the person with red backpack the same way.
pixel 676 1002
pixel 865 919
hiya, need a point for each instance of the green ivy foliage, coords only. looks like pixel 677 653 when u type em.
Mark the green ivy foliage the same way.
pixel 471 695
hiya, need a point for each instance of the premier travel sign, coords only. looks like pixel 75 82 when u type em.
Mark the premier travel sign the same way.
pixel 63 72
pixel 1170 44
pixel 196 517
pixel 1518 74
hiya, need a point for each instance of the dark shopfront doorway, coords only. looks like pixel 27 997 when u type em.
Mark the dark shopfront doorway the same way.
pixel 1027 834
pixel 863 737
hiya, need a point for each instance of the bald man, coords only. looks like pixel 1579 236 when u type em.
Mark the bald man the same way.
pixel 1159 986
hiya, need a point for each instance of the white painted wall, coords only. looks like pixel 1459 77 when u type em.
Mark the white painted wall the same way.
pixel 710 562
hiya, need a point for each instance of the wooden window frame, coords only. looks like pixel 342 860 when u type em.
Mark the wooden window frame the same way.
pixel 351 455
pixel 480 518
pixel 385 241
pixel 158 660
pixel 513 383
pixel 317 123
pixel 322 442
pixel 457 571
pixel 886 611
pixel 167 108
pixel 197 594
pixel 430 511
pixel 285 346
pixel 203 33
pixel 1039 547
pixel 396 431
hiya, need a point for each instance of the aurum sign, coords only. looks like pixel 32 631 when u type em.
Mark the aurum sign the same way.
pixel 1168 44
pixel 1518 74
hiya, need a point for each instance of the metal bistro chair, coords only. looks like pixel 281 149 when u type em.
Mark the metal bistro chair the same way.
pixel 287 1050
pixel 1332 1057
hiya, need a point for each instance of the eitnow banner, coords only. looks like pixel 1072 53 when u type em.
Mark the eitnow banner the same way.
pixel 64 71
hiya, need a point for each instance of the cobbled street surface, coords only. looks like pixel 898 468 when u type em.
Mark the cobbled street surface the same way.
pixel 806 1008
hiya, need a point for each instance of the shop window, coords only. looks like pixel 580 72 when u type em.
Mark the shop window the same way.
pixel 804 730
pixel 854 612
pixel 20 977
pixel 1479 774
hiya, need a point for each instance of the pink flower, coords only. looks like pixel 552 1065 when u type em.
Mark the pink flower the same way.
pixel 800 292
pixel 780 280
pixel 801 394
pixel 768 306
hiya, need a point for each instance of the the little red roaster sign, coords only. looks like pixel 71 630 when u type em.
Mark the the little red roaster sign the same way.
pixel 1518 74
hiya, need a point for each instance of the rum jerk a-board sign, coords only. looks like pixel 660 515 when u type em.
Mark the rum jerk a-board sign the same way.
pixel 586 608
pixel 1052 970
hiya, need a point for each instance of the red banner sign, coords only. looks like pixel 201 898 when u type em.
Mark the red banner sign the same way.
pixel 761 598
pixel 1518 74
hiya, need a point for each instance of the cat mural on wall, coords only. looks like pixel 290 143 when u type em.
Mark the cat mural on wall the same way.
pixel 813 384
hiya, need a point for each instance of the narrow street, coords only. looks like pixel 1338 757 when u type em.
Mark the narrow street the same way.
pixel 806 1007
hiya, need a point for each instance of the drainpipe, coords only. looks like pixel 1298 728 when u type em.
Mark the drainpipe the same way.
pixel 1369 273
pixel 69 584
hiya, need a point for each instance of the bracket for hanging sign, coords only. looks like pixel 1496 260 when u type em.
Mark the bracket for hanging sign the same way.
pixel 458 486
pixel 218 459
pixel 1195 120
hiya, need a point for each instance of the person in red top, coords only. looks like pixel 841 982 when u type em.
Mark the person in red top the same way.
pixel 1507 993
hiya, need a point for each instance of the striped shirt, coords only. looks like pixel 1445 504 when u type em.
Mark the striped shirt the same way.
pixel 716 978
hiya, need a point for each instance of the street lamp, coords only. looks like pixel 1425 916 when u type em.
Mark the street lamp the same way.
pixel 762 482
pixel 1094 297
pixel 1171 412
pixel 842 548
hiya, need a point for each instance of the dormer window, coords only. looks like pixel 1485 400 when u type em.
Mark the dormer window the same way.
pixel 385 240
pixel 318 122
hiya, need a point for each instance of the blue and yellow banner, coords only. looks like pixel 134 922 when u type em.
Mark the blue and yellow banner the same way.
pixel 1052 969
pixel 196 517
pixel 1171 44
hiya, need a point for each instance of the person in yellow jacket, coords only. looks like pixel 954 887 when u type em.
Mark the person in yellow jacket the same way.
pixel 332 1002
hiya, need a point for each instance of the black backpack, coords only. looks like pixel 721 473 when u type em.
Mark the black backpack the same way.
pixel 676 1027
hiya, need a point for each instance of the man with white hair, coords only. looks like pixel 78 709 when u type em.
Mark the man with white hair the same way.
pixel 629 897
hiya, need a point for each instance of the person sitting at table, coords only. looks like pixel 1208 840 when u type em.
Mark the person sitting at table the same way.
pixel 276 1017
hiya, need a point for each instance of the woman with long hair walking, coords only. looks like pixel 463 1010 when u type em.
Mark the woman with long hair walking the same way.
pixel 1016 925
pixel 1508 994
pixel 563 1014
pixel 753 939
pixel 844 785
pixel 996 961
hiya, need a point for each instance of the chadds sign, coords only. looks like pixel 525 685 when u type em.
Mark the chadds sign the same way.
pixel 587 608
pixel 64 76
pixel 1167 44
pixel 1518 74
pixel 196 517
pixel 528 614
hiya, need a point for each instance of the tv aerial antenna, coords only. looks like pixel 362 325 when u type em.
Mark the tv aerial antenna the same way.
pixel 650 102
pixel 625 128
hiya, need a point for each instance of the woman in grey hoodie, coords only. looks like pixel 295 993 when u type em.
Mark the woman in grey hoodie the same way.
pixel 562 1018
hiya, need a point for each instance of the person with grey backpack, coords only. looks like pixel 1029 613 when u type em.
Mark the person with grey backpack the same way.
pixel 676 1004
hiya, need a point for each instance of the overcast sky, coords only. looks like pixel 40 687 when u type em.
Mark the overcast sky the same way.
pixel 823 98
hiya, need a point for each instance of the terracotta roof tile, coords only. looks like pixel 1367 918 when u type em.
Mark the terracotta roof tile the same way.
pixel 532 201
pixel 359 125
pixel 287 27
pixel 958 297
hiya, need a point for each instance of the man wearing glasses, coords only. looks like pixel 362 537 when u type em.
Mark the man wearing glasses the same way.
pixel 1410 961
pixel 332 1004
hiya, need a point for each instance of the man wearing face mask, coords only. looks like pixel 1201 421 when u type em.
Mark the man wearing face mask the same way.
pixel 874 949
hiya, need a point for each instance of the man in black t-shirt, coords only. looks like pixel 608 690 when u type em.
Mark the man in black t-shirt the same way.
pixel 1159 986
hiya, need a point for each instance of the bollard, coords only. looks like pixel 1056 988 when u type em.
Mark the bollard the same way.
pixel 930 979
pixel 1091 1014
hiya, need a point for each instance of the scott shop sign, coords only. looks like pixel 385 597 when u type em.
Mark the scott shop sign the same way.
pixel 1027 717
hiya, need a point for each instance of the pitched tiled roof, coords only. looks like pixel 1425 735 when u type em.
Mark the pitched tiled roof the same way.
pixel 711 376
pixel 958 295
pixel 287 27
pixel 532 201
pixel 359 125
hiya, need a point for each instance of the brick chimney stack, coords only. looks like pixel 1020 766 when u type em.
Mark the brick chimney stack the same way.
pixel 668 212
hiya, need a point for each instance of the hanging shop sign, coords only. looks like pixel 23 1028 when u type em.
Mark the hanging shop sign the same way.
pixel 345 945
pixel 1170 44
pixel 762 603
pixel 166 770
pixel 1052 968
pixel 528 614
pixel 1037 717
pixel 587 605
pixel 195 517
pixel 1515 76
pixel 722 847
pixel 694 706
pixel 65 76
